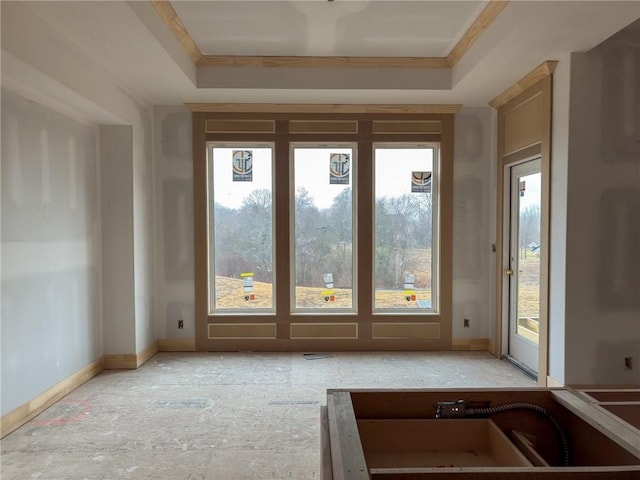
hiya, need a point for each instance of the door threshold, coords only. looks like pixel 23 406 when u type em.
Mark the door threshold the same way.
pixel 521 366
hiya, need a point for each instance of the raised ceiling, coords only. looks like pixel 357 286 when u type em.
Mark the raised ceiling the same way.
pixel 135 46
pixel 321 28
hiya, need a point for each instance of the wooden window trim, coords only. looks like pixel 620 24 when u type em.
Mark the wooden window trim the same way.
pixel 364 138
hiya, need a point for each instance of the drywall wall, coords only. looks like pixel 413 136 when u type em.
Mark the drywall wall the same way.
pixel 602 317
pixel 474 222
pixel 74 80
pixel 558 216
pixel 473 227
pixel 118 252
pixel 173 189
pixel 51 264
pixel 127 211
pixel 143 240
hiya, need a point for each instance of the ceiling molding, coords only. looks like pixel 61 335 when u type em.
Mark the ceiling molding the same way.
pixel 320 108
pixel 321 62
pixel 172 20
pixel 179 30
pixel 479 25
pixel 530 79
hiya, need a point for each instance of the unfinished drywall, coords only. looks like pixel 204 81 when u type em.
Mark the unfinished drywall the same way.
pixel 602 317
pixel 51 323
pixel 173 184
pixel 473 227
pixel 116 157
pixel 72 80
pixel 127 193
pixel 143 238
pixel 473 222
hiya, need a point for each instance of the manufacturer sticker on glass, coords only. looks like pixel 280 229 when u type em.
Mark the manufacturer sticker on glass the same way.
pixel 242 165
pixel 339 166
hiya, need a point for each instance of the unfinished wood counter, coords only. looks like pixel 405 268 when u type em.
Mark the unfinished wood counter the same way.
pixel 394 435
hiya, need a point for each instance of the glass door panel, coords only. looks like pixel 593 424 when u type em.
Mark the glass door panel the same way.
pixel 524 263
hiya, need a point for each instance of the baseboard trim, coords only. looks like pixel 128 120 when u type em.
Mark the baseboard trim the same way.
pixel 147 353
pixel 470 344
pixel 21 415
pixel 130 361
pixel 124 361
pixel 177 345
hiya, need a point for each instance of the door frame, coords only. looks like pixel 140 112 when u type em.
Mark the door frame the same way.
pixel 524 132
pixel 507 287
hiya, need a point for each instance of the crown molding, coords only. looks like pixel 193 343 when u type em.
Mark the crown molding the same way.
pixel 530 79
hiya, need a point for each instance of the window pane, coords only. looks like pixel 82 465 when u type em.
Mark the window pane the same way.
pixel 528 277
pixel 405 190
pixel 323 230
pixel 241 228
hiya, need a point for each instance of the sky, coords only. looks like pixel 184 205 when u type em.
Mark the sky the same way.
pixel 311 170
pixel 531 190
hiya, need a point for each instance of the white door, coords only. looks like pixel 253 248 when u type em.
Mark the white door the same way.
pixel 522 274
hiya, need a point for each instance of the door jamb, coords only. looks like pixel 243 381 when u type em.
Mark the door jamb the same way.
pixel 537 142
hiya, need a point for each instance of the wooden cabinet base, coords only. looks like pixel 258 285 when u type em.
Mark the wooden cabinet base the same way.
pixel 394 435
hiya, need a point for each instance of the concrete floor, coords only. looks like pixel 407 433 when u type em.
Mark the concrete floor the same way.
pixel 229 416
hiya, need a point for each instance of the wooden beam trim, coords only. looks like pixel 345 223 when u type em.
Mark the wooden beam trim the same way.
pixel 322 108
pixel 173 21
pixel 347 457
pixel 539 73
pixel 257 61
pixel 179 30
pixel 479 25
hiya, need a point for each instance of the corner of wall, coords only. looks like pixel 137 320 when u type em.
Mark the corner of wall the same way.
pixel 473 197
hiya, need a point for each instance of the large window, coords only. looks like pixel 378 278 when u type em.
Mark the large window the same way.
pixel 323 266
pixel 323 227
pixel 406 193
pixel 241 275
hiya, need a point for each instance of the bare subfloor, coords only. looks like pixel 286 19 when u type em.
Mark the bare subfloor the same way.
pixel 217 416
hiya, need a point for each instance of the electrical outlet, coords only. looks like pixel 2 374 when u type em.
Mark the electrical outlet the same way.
pixel 180 323
pixel 466 323
pixel 628 363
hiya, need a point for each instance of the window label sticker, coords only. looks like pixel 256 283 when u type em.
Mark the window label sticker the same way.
pixel 523 187
pixel 410 295
pixel 329 295
pixel 420 182
pixel 409 280
pixel 242 165
pixel 339 166
pixel 247 281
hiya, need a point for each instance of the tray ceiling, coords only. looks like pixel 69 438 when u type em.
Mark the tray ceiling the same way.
pixel 322 28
